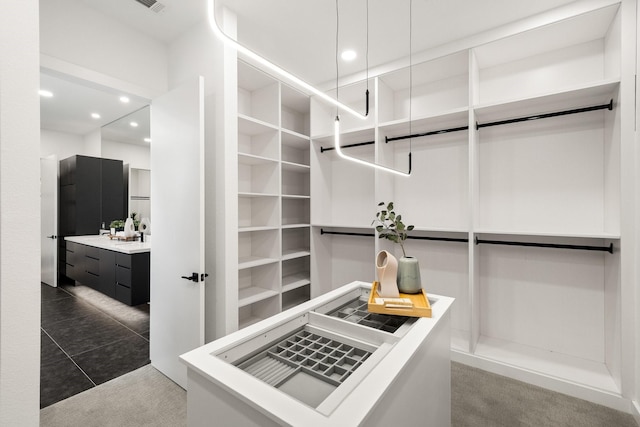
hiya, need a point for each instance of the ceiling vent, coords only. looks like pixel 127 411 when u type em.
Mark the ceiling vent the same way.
pixel 153 5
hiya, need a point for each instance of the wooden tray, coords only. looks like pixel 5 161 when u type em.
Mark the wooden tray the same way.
pixel 420 307
pixel 122 238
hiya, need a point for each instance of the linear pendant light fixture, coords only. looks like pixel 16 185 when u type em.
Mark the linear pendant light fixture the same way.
pixel 273 67
pixel 211 5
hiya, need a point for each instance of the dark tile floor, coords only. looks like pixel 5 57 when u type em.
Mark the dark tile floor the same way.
pixel 87 339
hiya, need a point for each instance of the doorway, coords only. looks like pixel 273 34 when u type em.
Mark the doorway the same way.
pixel 88 338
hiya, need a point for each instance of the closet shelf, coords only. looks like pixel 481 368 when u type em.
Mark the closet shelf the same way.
pixel 525 233
pixel 254 294
pixel 565 367
pixel 256 228
pixel 295 253
pixel 608 106
pixel 252 159
pixel 254 261
pixel 425 123
pixel 294 281
pixel 251 126
pixel 248 194
pixel 597 92
pixel 295 196
pixel 293 138
pixel 289 226
pixel 295 167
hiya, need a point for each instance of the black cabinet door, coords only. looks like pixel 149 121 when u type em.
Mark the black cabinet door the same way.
pixel 107 273
pixel 112 199
pixel 88 199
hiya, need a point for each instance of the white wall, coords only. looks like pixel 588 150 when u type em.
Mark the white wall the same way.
pixel 136 156
pixel 77 34
pixel 19 214
pixel 61 144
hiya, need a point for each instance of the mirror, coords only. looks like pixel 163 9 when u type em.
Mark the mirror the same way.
pixel 128 138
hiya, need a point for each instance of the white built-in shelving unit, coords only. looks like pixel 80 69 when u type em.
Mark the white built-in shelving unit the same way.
pixel 552 314
pixel 274 197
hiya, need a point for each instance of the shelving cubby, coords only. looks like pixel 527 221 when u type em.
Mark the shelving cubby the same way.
pixel 258 283
pixel 337 259
pixel 551 58
pixel 257 212
pixel 551 311
pixel 343 192
pixel 296 273
pixel 257 175
pixel 259 247
pixel 252 313
pixel 258 95
pixel 256 138
pixel 444 269
pixel 429 89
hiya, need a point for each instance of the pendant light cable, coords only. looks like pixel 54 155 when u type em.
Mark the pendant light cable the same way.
pixel 337 119
pixel 410 77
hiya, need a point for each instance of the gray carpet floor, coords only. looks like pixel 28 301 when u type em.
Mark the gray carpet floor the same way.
pixel 480 398
pixel 145 397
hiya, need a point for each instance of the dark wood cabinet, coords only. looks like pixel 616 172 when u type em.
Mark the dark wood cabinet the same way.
pixel 91 194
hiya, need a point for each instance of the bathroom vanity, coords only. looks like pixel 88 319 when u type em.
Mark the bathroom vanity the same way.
pixel 327 362
pixel 118 269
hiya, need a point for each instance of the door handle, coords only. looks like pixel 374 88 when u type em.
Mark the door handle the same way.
pixel 194 277
pixel 52 237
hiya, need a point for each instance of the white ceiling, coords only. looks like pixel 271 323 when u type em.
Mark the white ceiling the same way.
pixel 301 35
pixel 73 101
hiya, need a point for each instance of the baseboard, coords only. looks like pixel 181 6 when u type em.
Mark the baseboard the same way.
pixel 605 398
pixel 635 411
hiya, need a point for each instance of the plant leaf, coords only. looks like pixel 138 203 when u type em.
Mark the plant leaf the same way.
pixel 379 228
pixel 390 206
pixel 381 204
pixel 410 227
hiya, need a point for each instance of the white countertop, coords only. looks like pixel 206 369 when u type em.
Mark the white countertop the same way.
pixel 104 242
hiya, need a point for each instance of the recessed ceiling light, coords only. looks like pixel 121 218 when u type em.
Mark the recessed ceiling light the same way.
pixel 95 115
pixel 45 93
pixel 147 140
pixel 124 99
pixel 134 124
pixel 348 55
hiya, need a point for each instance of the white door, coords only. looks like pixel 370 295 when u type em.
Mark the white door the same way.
pixel 177 232
pixel 49 220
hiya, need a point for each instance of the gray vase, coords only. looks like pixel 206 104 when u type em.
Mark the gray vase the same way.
pixel 409 276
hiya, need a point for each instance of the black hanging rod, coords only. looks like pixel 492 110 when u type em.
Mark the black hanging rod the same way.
pixel 547 245
pixel 342 233
pixel 608 106
pixel 322 149
pixel 418 135
pixel 397 138
pixel 441 239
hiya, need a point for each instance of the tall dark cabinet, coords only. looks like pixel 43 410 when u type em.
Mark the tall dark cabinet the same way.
pixel 91 194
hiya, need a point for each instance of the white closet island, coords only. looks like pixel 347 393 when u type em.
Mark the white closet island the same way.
pixel 327 362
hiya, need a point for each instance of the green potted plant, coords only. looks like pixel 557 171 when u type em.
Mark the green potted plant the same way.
pixel 117 225
pixel 389 226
